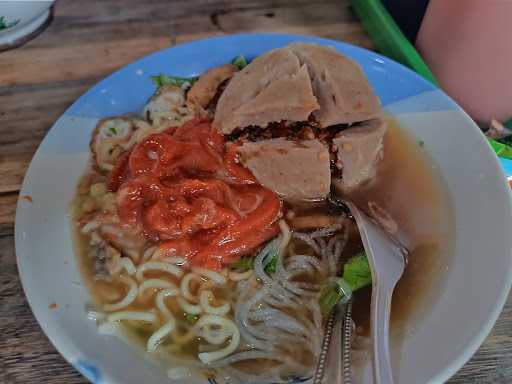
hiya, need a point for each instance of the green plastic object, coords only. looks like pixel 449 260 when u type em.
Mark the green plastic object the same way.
pixel 502 150
pixel 388 38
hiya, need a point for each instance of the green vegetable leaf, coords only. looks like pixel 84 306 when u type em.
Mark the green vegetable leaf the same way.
pixel 239 62
pixel 190 318
pixel 183 82
pixel 112 130
pixel 357 272
pixel 187 82
pixel 329 297
pixel 356 275
pixel 244 264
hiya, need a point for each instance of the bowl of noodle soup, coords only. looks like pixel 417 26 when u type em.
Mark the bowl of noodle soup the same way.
pixel 173 255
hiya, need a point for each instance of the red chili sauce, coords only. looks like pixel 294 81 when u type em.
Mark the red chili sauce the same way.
pixel 185 188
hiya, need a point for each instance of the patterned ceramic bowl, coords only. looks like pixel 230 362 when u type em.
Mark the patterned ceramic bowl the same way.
pixel 20 21
pixel 475 279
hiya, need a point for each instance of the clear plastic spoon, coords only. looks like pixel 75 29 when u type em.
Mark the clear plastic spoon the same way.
pixel 387 259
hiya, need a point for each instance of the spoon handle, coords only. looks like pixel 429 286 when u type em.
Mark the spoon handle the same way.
pixel 380 313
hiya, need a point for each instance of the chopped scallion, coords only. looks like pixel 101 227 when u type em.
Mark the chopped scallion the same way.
pixel 182 82
pixel 271 267
pixel 357 272
pixel 244 264
pixel 239 62
pixel 356 275
pixel 190 318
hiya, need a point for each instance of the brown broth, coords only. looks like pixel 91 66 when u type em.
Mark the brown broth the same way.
pixel 409 187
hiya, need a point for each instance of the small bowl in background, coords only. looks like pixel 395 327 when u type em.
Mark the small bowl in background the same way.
pixel 21 21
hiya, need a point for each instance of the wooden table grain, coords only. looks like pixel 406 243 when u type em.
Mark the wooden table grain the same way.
pixel 85 42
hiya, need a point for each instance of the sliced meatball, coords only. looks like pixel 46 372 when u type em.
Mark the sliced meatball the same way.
pixel 290 84
pixel 205 88
pixel 296 170
pixel 167 108
pixel 273 87
pixel 341 87
pixel 111 137
pixel 359 150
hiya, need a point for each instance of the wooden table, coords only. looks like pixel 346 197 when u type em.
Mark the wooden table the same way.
pixel 86 41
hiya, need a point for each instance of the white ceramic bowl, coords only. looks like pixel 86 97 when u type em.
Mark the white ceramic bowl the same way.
pixel 19 20
pixel 469 300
